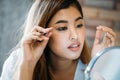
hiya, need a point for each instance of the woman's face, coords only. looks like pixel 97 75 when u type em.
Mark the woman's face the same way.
pixel 68 35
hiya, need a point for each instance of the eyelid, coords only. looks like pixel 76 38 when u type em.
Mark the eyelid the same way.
pixel 61 28
pixel 58 26
pixel 80 24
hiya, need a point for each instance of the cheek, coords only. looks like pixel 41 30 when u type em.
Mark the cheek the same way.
pixel 56 40
pixel 57 44
pixel 81 34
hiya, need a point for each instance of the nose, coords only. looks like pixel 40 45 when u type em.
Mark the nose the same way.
pixel 73 36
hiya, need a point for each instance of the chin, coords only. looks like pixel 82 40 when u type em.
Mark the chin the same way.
pixel 74 57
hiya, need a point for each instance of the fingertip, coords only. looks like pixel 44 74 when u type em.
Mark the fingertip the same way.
pixel 99 27
pixel 49 34
pixel 49 29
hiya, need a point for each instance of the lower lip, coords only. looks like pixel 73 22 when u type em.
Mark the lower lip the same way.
pixel 74 49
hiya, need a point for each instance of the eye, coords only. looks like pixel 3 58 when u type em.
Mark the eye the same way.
pixel 79 26
pixel 62 28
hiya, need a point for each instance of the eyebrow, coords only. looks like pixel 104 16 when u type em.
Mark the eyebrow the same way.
pixel 64 21
pixel 61 21
pixel 78 18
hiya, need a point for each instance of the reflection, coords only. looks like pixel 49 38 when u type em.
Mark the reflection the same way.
pixel 105 65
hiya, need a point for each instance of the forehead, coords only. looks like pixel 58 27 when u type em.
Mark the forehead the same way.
pixel 68 13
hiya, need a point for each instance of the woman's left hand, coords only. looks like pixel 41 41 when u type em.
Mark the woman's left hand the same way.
pixel 107 41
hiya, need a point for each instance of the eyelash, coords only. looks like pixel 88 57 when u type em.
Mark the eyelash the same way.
pixel 79 26
pixel 62 28
pixel 65 28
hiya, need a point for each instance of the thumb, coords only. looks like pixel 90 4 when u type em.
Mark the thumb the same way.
pixel 46 38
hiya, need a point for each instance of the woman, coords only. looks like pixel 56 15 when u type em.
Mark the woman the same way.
pixel 53 46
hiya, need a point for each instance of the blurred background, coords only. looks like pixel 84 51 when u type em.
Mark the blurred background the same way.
pixel 13 14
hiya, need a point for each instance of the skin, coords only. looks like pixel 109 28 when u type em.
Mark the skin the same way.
pixel 66 26
pixel 108 39
pixel 59 41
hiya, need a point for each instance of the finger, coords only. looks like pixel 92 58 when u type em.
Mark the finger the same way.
pixel 108 41
pixel 113 41
pixel 44 41
pixel 34 36
pixel 48 34
pixel 34 29
pixel 111 38
pixel 109 30
pixel 37 38
pixel 97 36
pixel 36 33
pixel 38 29
pixel 104 42
pixel 41 30
pixel 47 31
pixel 41 36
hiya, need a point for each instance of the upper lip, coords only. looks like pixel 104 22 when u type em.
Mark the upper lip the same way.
pixel 74 45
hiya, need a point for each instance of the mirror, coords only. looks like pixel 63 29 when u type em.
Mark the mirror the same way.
pixel 105 65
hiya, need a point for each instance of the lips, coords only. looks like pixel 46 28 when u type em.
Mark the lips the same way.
pixel 74 47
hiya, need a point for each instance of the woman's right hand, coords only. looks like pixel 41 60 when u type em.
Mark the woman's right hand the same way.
pixel 34 44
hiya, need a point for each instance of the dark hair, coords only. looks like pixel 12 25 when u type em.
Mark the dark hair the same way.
pixel 41 71
pixel 55 6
